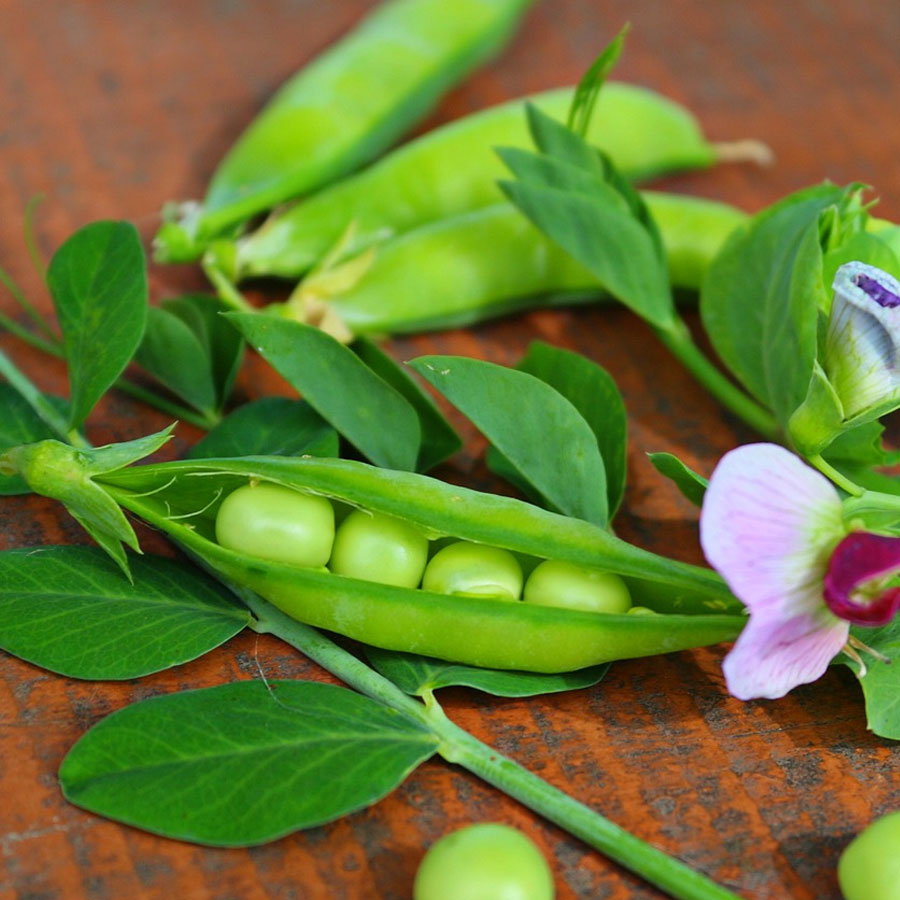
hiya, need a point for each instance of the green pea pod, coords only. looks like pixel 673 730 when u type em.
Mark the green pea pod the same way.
pixel 454 169
pixel 182 499
pixel 490 262
pixel 346 107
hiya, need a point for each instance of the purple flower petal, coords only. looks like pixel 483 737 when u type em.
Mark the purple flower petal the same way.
pixel 768 526
pixel 859 558
pixel 773 655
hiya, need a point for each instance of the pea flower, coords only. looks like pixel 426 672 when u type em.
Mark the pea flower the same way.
pixel 773 528
pixel 862 346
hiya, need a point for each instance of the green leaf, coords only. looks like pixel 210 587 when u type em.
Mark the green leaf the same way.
pixel 223 343
pixel 761 296
pixel 362 406
pixel 881 683
pixel 531 424
pixel 20 424
pixel 243 763
pixel 173 354
pixel 691 485
pixel 98 281
pixel 272 426
pixel 606 239
pixel 594 393
pixel 69 610
pixel 869 248
pixel 590 84
pixel 420 675
pixel 559 142
pixel 439 439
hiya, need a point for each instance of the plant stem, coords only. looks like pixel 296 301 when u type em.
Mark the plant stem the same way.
pixel 26 304
pixel 206 421
pixel 459 747
pixel 829 471
pixel 678 340
pixel 39 403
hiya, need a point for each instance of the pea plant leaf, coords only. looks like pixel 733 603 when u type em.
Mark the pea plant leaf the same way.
pixel 20 424
pixel 439 439
pixel 594 393
pixel 222 342
pixel 69 610
pixel 98 281
pixel 192 350
pixel 761 296
pixel 172 353
pixel 419 675
pixel 691 485
pixel 379 421
pixel 243 763
pixel 532 425
pixel 573 193
pixel 881 682
pixel 272 426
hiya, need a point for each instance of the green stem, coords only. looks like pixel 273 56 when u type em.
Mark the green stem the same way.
pixel 23 334
pixel 226 290
pixel 678 340
pixel 829 471
pixel 27 305
pixel 459 747
pixel 39 403
pixel 206 421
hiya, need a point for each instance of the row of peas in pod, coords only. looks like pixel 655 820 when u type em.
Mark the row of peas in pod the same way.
pixel 277 523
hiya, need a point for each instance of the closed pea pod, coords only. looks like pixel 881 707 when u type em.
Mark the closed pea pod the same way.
pixel 181 499
pixel 490 262
pixel 345 108
pixel 454 169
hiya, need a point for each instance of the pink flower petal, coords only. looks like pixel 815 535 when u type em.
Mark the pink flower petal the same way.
pixel 768 526
pixel 773 655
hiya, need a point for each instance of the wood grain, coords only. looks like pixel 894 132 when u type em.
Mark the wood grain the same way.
pixel 109 109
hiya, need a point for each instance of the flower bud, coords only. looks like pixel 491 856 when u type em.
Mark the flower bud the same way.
pixel 862 347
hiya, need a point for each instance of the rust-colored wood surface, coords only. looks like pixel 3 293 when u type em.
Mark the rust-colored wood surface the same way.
pixel 109 109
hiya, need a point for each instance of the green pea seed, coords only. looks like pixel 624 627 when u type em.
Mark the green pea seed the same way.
pixel 869 867
pixel 558 583
pixel 484 862
pixel 379 548
pixel 276 523
pixel 474 570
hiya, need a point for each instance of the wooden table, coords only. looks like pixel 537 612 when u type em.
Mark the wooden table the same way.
pixel 109 109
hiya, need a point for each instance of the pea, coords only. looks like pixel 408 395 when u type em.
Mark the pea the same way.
pixel 379 548
pixel 484 862
pixel 869 867
pixel 276 523
pixel 474 570
pixel 558 583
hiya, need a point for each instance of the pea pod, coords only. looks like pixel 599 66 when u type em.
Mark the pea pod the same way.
pixel 490 262
pixel 346 107
pixel 454 169
pixel 182 498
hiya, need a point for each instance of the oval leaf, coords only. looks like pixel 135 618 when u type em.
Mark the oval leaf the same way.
pixel 532 425
pixel 98 281
pixel 419 675
pixel 69 610
pixel 691 485
pixel 439 439
pixel 594 393
pixel 362 406
pixel 272 426
pixel 173 354
pixel 243 763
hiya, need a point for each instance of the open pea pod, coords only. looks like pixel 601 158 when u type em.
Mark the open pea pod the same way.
pixel 693 605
